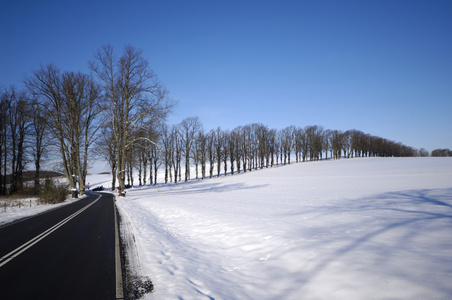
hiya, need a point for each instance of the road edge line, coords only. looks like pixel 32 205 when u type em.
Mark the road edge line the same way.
pixel 118 268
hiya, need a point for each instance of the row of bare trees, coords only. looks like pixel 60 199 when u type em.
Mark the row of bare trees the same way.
pixel 117 105
pixel 68 104
pixel 442 152
pixel 16 121
pixel 134 101
pixel 186 147
pixel 122 106
pixel 56 110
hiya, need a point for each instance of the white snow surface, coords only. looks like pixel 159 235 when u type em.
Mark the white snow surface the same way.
pixel 362 228
pixel 11 210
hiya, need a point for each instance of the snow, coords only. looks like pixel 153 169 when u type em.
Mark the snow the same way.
pixel 377 228
pixel 12 210
pixel 362 228
pixel 15 209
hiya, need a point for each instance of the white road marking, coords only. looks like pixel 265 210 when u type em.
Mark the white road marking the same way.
pixel 19 250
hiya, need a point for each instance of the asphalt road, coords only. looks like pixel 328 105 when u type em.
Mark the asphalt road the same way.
pixel 73 259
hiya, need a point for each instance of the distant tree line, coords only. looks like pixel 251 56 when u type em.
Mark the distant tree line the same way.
pixel 442 152
pixel 180 149
pixel 121 107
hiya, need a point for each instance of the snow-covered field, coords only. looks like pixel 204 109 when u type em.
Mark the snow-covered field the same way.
pixel 363 228
pixel 375 228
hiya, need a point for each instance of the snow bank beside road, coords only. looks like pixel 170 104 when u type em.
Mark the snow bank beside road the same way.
pixel 11 210
pixel 345 229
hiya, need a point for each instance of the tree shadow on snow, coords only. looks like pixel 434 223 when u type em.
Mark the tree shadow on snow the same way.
pixel 414 225
pixel 199 187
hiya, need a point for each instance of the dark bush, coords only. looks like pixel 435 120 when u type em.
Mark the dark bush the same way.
pixel 53 192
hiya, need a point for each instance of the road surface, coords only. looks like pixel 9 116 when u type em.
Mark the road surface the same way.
pixel 67 253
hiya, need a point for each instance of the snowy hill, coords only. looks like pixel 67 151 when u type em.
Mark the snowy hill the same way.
pixel 348 229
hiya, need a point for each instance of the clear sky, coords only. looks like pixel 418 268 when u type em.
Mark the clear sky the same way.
pixel 382 67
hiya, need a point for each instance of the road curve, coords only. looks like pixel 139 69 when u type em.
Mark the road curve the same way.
pixel 66 253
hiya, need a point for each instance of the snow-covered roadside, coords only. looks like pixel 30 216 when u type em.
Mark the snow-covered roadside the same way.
pixel 29 207
pixel 346 229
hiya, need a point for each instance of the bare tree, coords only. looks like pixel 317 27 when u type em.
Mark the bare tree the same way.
pixel 106 148
pixel 314 141
pixel 211 151
pixel 261 134
pixel 68 101
pixel 244 145
pixel 39 135
pixel 140 148
pixel 346 143
pixel 4 106
pixel 167 150
pixel 251 145
pixel 201 153
pixel 287 136
pixel 155 151
pixel 230 146
pixel 327 134
pixel 336 143
pixel 87 107
pixel 271 146
pixel 219 148
pixel 189 127
pixel 225 150
pixel 177 155
pixel 133 96
pixel 254 146
pixel 423 152
pixel 18 116
pixel 237 140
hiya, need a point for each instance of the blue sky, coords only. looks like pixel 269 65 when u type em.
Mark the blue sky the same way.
pixel 382 67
